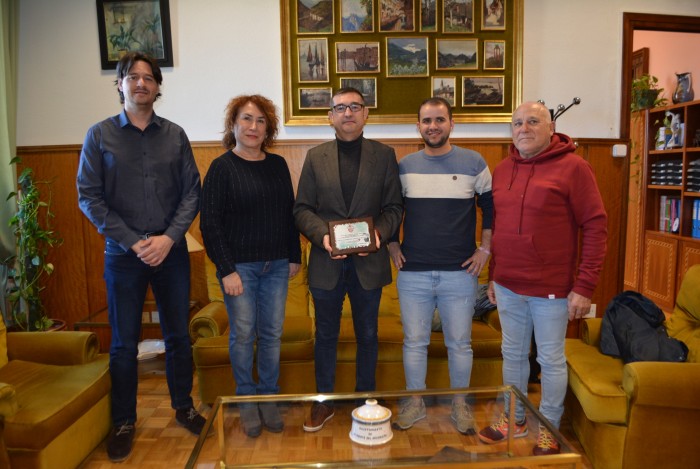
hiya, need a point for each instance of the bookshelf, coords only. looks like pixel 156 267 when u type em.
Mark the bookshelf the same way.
pixel 670 194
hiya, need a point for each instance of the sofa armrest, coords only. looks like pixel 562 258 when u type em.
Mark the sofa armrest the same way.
pixel 53 348
pixel 210 321
pixel 662 384
pixel 8 401
pixel 590 331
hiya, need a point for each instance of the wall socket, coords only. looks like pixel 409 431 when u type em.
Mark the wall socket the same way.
pixel 591 313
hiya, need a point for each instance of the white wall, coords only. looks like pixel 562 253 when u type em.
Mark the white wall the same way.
pixel 226 47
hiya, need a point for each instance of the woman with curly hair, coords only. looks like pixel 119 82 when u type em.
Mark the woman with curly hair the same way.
pixel 249 233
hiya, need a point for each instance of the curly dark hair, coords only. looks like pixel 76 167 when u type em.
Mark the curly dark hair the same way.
pixel 128 61
pixel 265 105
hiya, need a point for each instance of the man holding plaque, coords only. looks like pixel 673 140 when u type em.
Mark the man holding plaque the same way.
pixel 348 201
pixel 438 261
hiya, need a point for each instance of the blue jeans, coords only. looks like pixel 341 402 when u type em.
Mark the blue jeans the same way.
pixel 453 293
pixel 365 311
pixel 257 314
pixel 127 279
pixel 519 315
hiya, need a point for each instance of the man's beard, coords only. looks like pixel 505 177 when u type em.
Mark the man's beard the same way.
pixel 439 143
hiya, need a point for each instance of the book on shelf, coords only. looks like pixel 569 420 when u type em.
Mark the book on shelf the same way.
pixel 669 214
pixel 696 219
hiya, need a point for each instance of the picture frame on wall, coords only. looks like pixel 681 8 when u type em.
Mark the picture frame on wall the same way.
pixel 406 56
pixel 314 17
pixel 404 71
pixel 315 98
pixel 483 90
pixel 356 16
pixel 494 55
pixel 367 86
pixel 444 87
pixel 134 25
pixel 428 15
pixel 396 16
pixel 357 57
pixel 457 54
pixel 493 16
pixel 458 16
pixel 313 60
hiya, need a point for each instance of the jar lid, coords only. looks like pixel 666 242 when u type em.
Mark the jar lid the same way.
pixel 371 412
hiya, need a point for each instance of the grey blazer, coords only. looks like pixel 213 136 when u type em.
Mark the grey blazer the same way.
pixel 320 200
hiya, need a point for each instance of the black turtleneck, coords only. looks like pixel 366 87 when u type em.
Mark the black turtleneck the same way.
pixel 349 166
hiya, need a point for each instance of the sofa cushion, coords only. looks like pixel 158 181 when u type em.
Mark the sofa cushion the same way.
pixel 297 344
pixel 51 398
pixel 596 380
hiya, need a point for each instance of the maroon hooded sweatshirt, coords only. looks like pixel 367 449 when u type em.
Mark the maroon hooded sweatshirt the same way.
pixel 540 204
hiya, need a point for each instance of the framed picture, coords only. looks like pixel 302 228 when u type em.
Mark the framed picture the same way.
pixel 396 15
pixel 367 86
pixel 134 25
pixel 493 16
pixel 313 60
pixel 356 16
pixel 314 16
pixel 406 56
pixel 444 87
pixel 400 52
pixel 428 15
pixel 357 57
pixel 494 55
pixel 458 16
pixel 482 91
pixel 457 54
pixel 315 98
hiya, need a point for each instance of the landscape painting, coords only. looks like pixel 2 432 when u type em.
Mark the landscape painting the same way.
pixel 457 54
pixel 314 16
pixel 356 16
pixel 367 86
pixel 482 91
pixel 313 60
pixel 428 15
pixel 407 56
pixel 458 16
pixel 315 98
pixel 494 55
pixel 357 57
pixel 444 87
pixel 396 15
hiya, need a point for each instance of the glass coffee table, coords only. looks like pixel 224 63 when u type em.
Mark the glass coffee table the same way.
pixel 431 442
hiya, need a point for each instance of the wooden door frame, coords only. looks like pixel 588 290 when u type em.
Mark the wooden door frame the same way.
pixel 632 22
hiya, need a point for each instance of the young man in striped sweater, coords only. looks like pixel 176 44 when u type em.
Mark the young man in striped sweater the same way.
pixel 438 260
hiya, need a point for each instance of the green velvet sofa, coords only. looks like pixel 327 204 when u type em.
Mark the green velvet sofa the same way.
pixel 54 398
pixel 209 332
pixel 642 414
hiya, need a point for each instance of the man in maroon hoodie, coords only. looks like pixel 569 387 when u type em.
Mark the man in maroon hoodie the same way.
pixel 544 196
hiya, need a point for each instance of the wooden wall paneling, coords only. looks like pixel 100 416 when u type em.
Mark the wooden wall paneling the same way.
pixel 65 292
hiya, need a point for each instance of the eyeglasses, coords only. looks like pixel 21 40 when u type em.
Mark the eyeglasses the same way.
pixel 354 107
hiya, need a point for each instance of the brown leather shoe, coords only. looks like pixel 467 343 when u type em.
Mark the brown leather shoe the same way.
pixel 320 414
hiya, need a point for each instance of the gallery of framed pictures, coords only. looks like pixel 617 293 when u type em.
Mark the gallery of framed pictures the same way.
pixel 400 52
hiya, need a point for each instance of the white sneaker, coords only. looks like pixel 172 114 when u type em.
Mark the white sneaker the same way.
pixel 412 410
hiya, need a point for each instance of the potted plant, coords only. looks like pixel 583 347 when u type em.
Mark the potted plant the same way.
pixel 645 93
pixel 31 226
